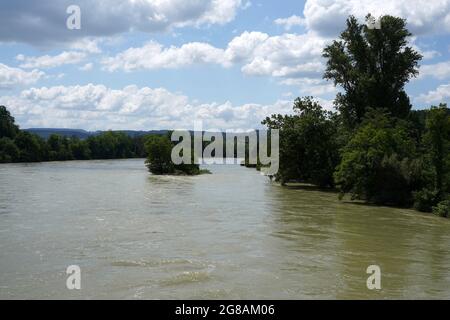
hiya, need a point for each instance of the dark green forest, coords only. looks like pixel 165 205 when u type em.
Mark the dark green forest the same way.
pixel 21 146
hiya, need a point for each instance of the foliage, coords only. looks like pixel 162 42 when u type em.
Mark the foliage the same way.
pixel 372 66
pixel 8 150
pixel 21 146
pixel 424 200
pixel 378 163
pixel 308 145
pixel 159 159
pixel 437 142
pixel 7 127
pixel 442 209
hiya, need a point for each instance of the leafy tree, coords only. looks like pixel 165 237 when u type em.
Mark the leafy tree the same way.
pixel 379 163
pixel 80 149
pixel 308 144
pixel 7 127
pixel 31 147
pixel 159 150
pixel 372 66
pixel 437 142
pixel 59 148
pixel 8 150
pixel 159 159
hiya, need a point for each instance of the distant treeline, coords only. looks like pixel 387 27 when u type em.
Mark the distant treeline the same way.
pixel 22 146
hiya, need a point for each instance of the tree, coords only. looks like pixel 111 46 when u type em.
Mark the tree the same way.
pixel 159 160
pixel 31 147
pixel 7 127
pixel 159 150
pixel 59 148
pixel 8 150
pixel 437 141
pixel 372 66
pixel 308 143
pixel 379 164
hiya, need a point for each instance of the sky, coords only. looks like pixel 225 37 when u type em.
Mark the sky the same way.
pixel 166 64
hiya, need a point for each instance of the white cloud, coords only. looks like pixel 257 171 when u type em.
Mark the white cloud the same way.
pixel 96 107
pixel 311 87
pixel 424 16
pixel 287 55
pixel 47 61
pixel 290 22
pixel 87 67
pixel 440 95
pixel 44 22
pixel 439 70
pixel 154 56
pixel 87 45
pixel 11 77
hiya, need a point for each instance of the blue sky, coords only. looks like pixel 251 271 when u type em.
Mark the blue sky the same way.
pixel 158 64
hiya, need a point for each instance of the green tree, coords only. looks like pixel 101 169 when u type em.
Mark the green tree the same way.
pixel 159 159
pixel 8 150
pixel 59 148
pixel 437 142
pixel 7 127
pixel 308 143
pixel 159 150
pixel 379 163
pixel 31 147
pixel 80 149
pixel 372 66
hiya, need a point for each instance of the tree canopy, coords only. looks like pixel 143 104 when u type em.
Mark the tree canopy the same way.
pixel 372 67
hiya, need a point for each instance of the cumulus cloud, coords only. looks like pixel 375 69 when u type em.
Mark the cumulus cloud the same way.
pixel 290 22
pixel 439 70
pixel 154 56
pixel 11 77
pixel 327 17
pixel 97 107
pixel 44 22
pixel 87 67
pixel 287 55
pixel 47 61
pixel 440 95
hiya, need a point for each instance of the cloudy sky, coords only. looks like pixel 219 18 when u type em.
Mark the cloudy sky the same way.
pixel 161 64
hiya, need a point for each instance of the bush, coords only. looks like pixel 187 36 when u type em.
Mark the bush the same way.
pixel 442 209
pixel 424 200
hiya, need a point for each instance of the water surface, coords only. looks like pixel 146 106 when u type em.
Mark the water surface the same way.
pixel 229 235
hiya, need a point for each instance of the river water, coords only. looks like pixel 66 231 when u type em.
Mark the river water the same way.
pixel 229 235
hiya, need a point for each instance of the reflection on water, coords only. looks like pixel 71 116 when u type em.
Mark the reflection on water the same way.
pixel 230 235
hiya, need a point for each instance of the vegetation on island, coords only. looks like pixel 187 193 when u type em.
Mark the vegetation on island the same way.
pixel 159 159
pixel 374 147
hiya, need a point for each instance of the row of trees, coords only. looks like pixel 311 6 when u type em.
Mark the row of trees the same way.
pixel 21 146
pixel 374 147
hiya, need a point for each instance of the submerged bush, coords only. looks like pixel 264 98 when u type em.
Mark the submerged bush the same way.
pixel 424 200
pixel 442 209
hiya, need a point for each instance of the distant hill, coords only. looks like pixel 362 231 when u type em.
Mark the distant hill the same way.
pixel 83 134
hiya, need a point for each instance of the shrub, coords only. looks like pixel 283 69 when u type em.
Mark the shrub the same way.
pixel 442 209
pixel 424 200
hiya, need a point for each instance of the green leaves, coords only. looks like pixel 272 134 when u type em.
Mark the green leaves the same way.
pixel 372 66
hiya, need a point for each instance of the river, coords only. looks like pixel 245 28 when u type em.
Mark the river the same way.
pixel 229 235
